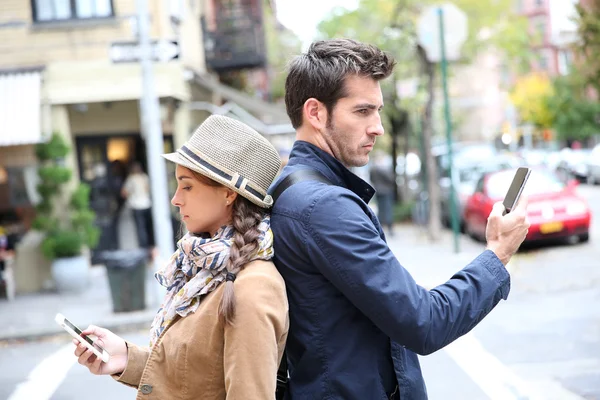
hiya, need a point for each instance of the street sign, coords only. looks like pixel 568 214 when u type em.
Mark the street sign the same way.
pixel 162 50
pixel 455 32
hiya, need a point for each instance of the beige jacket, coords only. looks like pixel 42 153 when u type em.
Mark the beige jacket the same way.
pixel 200 357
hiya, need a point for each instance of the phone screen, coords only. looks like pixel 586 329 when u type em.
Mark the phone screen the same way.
pixel 87 339
pixel 516 187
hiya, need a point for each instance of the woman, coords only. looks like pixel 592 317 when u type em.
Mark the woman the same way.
pixel 221 330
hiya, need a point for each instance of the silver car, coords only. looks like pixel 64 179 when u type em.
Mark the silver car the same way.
pixel 593 167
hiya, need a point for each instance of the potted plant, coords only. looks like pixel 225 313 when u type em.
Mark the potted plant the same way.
pixel 66 220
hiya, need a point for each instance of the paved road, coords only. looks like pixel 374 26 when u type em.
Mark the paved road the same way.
pixel 544 343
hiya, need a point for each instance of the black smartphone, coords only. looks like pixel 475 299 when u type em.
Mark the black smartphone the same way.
pixel 516 188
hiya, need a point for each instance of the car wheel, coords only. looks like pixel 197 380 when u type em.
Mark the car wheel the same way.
pixel 584 238
pixel 471 233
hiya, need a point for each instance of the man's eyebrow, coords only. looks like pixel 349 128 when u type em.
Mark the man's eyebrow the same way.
pixel 368 105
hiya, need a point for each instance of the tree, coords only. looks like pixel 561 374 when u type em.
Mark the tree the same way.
pixel 575 113
pixel 588 47
pixel 281 44
pixel 530 96
pixel 391 25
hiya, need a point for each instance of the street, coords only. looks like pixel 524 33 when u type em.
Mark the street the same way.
pixel 547 334
pixel 543 343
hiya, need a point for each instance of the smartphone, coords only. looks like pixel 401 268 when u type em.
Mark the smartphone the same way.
pixel 516 188
pixel 86 340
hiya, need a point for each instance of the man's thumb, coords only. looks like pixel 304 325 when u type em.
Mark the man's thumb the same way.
pixel 498 209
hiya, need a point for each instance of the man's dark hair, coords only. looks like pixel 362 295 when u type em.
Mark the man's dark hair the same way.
pixel 320 73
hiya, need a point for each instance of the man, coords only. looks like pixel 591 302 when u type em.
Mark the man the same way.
pixel 382 178
pixel 357 317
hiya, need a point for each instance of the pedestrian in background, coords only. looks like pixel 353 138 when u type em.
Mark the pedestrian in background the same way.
pixel 358 319
pixel 136 190
pixel 383 179
pixel 221 330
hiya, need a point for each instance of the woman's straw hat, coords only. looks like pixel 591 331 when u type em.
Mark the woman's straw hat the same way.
pixel 233 154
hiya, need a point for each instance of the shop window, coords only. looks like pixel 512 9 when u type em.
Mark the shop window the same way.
pixel 19 187
pixel 62 10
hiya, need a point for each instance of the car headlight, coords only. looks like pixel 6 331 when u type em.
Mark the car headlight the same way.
pixel 576 208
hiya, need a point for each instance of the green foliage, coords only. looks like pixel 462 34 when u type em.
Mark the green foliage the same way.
pixel 282 44
pixel 67 222
pixel 61 244
pixel 54 149
pixel 575 114
pixel 55 175
pixel 403 211
pixel 588 47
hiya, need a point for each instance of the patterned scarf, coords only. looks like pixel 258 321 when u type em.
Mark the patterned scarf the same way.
pixel 198 267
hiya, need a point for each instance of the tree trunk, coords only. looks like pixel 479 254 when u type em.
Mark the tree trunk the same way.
pixel 434 224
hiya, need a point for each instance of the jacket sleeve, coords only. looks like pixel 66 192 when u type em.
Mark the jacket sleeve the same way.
pixel 254 343
pixel 136 362
pixel 346 247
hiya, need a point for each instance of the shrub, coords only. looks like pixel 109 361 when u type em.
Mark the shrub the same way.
pixel 68 224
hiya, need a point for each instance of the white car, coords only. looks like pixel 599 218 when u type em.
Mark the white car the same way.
pixel 593 177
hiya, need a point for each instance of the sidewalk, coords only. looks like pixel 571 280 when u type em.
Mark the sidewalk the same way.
pixel 28 317
pixel 431 264
pixel 31 316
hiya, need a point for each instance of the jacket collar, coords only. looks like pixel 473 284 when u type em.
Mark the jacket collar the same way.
pixel 304 153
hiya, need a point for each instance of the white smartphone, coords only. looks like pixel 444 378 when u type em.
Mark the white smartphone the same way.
pixel 86 340
pixel 516 188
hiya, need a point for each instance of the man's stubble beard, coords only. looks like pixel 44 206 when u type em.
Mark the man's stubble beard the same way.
pixel 331 133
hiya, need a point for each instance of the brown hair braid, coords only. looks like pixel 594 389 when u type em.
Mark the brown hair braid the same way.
pixel 246 218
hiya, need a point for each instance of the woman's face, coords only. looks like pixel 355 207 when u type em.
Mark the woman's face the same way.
pixel 204 205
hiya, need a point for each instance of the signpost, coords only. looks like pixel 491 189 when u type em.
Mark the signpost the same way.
pixel 443 44
pixel 152 129
pixel 131 51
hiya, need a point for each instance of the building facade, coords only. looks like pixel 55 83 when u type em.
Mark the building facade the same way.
pixel 552 31
pixel 71 67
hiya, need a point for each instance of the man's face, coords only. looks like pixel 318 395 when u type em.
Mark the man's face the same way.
pixel 355 122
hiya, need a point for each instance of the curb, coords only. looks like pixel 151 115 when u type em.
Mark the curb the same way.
pixel 122 322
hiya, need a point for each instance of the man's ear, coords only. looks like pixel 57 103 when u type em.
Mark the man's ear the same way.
pixel 315 113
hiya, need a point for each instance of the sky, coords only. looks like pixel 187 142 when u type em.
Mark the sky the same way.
pixel 303 16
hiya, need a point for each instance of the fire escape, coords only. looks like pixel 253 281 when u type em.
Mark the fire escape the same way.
pixel 234 36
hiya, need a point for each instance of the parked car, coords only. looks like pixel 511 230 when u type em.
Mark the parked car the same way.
pixel 467 172
pixel 594 166
pixel 555 209
pixel 574 164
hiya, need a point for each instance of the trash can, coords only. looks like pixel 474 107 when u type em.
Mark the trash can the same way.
pixel 126 272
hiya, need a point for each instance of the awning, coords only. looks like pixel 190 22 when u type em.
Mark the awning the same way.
pixel 20 108
pixel 265 117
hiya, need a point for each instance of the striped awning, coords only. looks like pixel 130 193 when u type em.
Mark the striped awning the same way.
pixel 20 107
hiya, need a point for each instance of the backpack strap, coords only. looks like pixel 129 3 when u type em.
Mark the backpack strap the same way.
pixel 305 174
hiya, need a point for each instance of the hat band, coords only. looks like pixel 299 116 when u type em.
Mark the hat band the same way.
pixel 223 174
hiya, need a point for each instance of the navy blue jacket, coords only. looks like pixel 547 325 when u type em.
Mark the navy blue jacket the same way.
pixel 357 317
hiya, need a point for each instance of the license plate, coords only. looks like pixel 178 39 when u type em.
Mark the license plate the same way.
pixel 551 227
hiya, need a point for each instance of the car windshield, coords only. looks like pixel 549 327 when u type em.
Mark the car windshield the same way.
pixel 539 182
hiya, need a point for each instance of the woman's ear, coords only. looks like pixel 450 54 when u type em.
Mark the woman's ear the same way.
pixel 230 196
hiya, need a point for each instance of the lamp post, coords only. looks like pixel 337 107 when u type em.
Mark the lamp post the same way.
pixel 443 44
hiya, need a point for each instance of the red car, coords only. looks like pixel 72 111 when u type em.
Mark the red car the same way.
pixel 555 210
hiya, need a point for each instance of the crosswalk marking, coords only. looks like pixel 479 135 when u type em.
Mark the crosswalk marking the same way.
pixel 47 376
pixel 493 377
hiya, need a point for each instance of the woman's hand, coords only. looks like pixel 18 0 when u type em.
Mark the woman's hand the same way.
pixel 113 344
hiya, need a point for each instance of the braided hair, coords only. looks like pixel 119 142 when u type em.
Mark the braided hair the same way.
pixel 245 219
